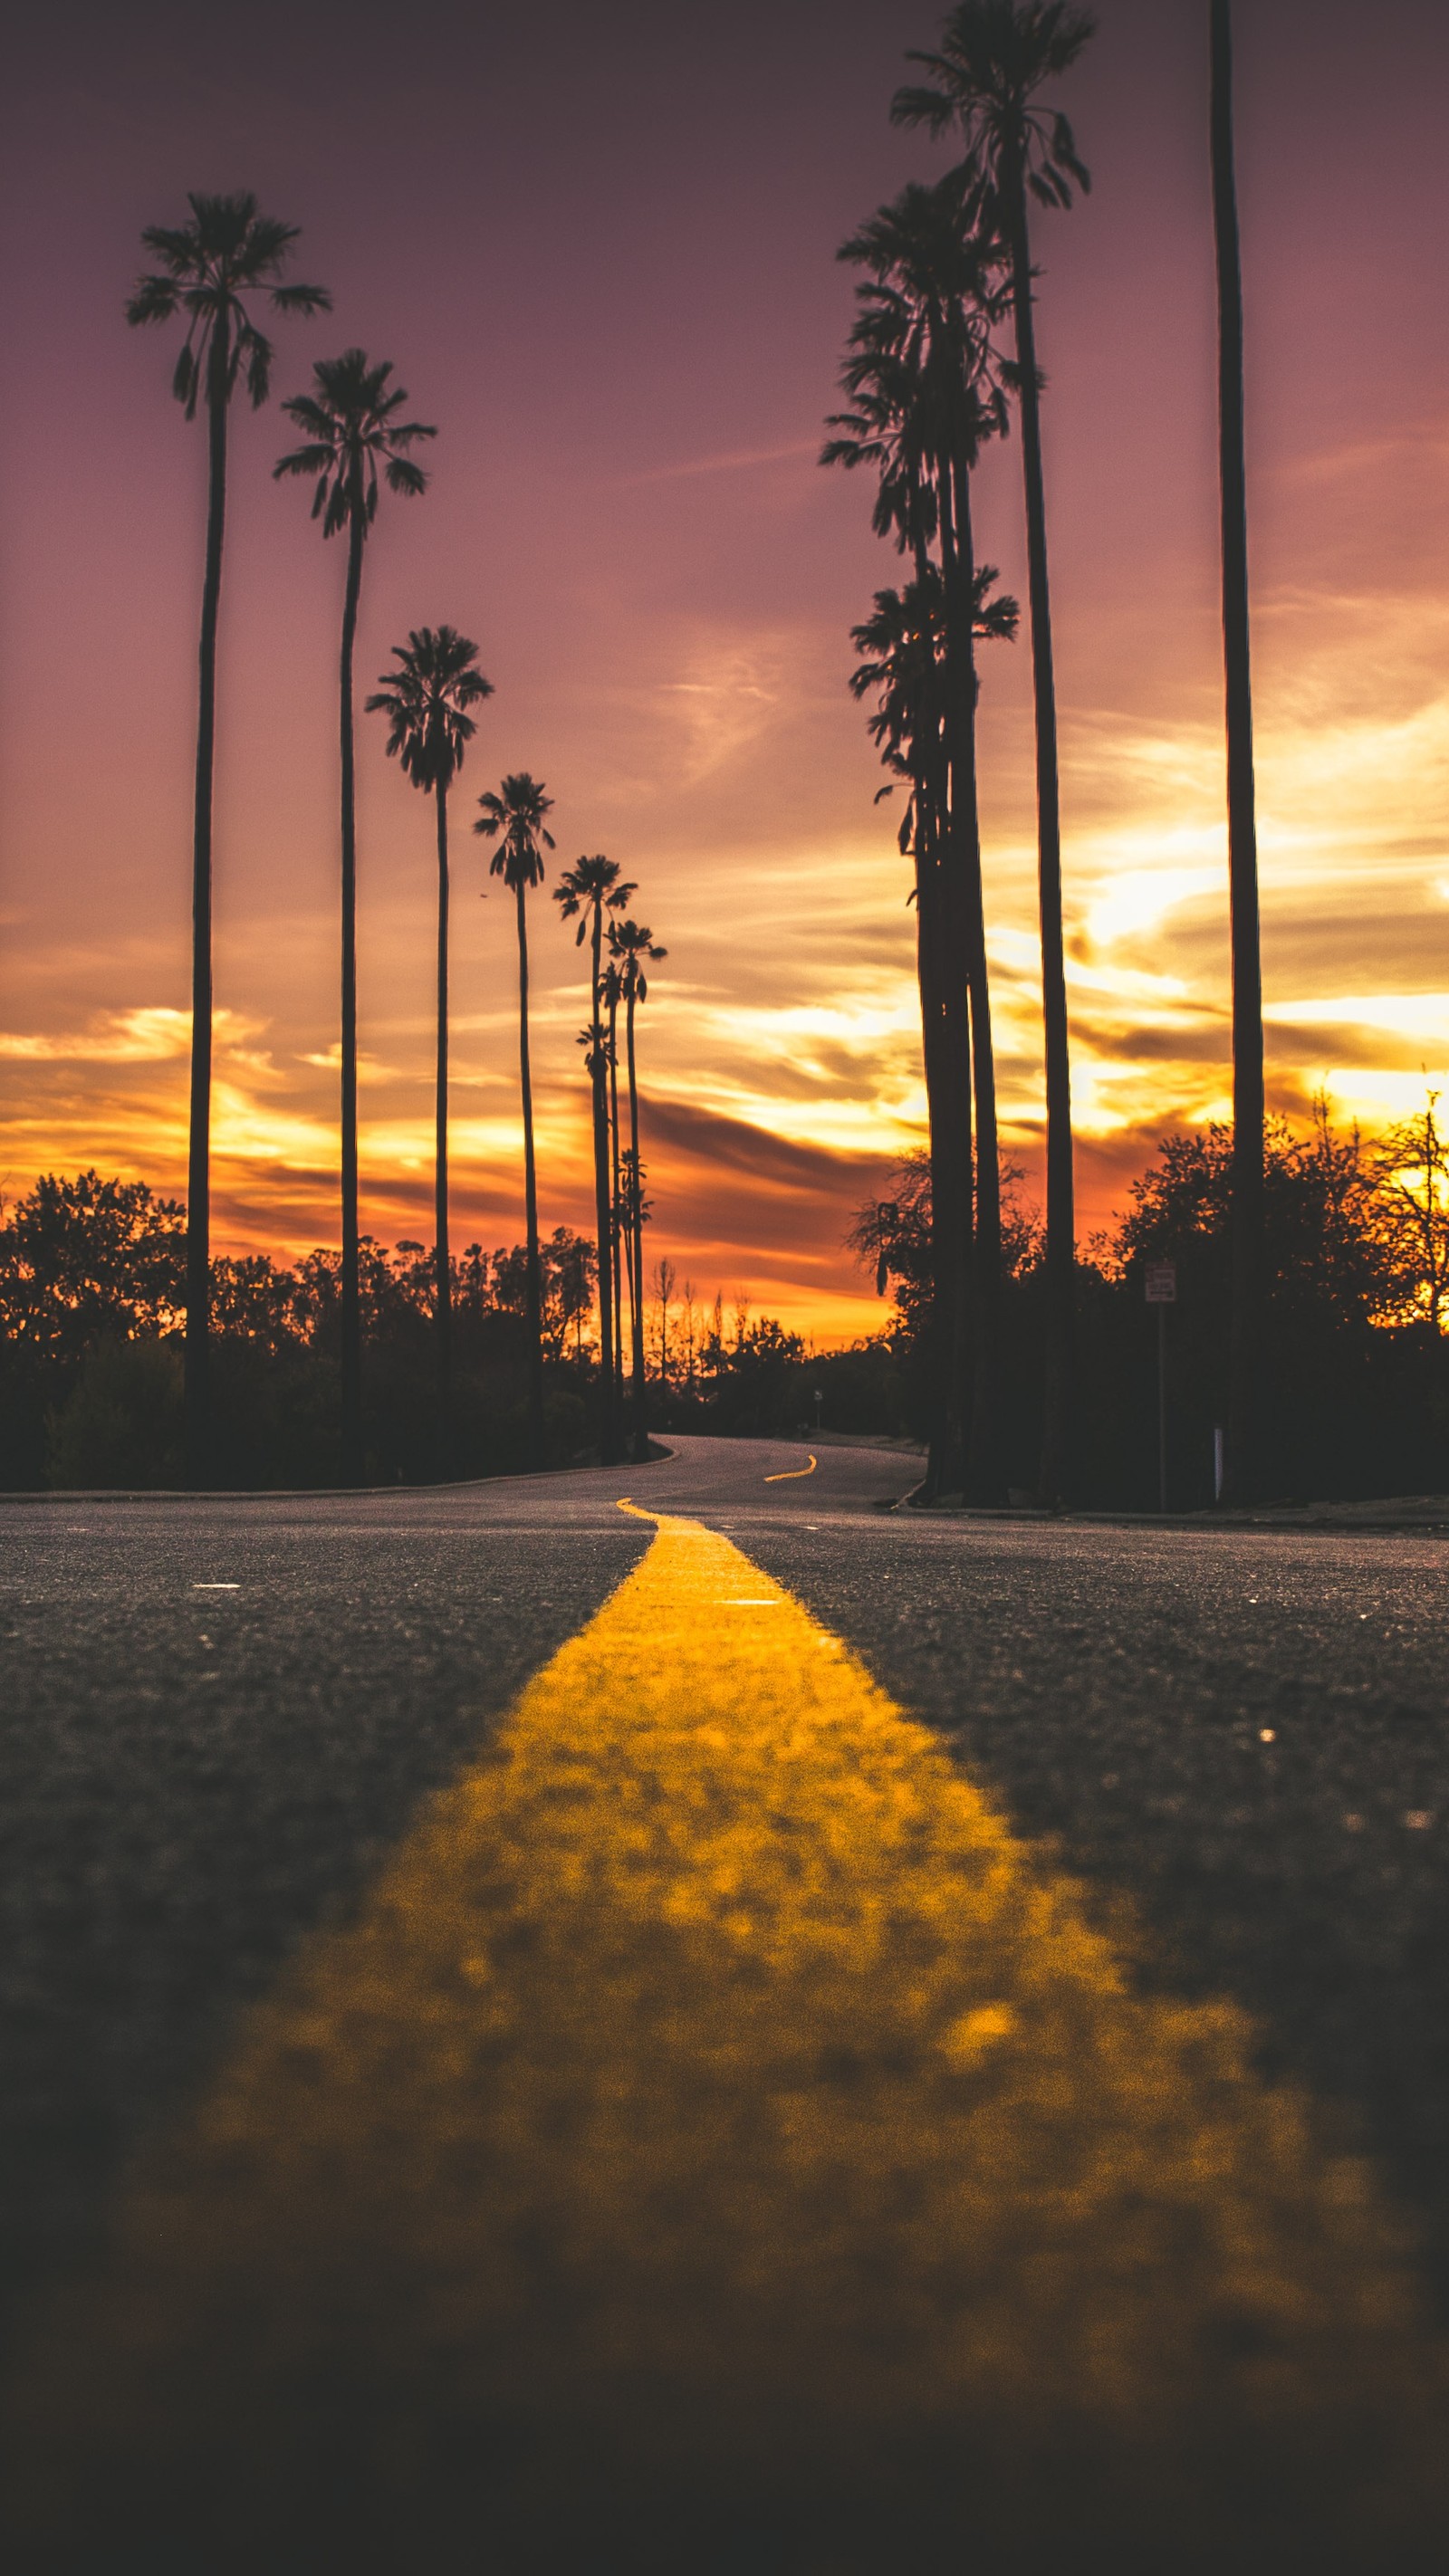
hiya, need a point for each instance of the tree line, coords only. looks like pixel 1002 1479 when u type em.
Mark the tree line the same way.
pixel 211 273
pixel 93 1288
pixel 93 1285
pixel 941 360
pixel 1355 1396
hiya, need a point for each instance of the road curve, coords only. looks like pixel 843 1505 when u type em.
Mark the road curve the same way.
pixel 541 2029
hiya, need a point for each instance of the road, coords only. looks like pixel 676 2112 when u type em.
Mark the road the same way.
pixel 820 2040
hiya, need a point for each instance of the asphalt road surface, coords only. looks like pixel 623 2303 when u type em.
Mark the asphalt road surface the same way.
pixel 921 2043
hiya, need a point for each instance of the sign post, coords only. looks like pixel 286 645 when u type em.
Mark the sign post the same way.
pixel 1162 1293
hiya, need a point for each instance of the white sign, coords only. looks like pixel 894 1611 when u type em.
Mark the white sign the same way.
pixel 1162 1283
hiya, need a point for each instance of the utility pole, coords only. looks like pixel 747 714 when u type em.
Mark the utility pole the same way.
pixel 1162 1293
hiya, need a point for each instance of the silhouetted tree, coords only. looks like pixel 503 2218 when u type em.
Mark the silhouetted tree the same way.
pixel 586 892
pixel 426 701
pixel 924 377
pixel 209 269
pixel 994 57
pixel 1240 1478
pixel 632 946
pixel 1410 1167
pixel 514 818
pixel 612 994
pixel 87 1257
pixel 351 428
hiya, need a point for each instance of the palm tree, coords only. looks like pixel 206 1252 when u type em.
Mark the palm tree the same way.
pixel 630 947
pixel 906 663
pixel 611 995
pixel 587 891
pixel 209 268
pixel 514 817
pixel 994 57
pixel 350 426
pixel 1246 1254
pixel 924 381
pixel 426 701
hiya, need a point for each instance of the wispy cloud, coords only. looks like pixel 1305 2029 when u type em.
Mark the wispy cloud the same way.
pixel 734 460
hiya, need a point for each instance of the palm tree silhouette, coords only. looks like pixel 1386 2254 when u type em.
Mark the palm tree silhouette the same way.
pixel 351 428
pixel 1246 1252
pixel 587 891
pixel 925 385
pixel 612 994
pixel 514 818
pixel 994 56
pixel 426 701
pixel 906 662
pixel 631 947
pixel 209 268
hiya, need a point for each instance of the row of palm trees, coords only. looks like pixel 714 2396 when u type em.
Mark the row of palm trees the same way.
pixel 929 385
pixel 212 271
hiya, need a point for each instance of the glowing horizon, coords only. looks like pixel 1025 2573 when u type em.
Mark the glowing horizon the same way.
pixel 626 512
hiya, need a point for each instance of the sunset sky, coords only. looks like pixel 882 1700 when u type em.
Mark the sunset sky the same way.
pixel 598 242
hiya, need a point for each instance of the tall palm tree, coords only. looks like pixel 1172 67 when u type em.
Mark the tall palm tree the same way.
pixel 586 892
pixel 350 427
pixel 906 664
pixel 514 818
pixel 902 649
pixel 631 947
pixel 1246 1254
pixel 426 701
pixel 994 57
pixel 612 994
pixel 209 269
pixel 925 385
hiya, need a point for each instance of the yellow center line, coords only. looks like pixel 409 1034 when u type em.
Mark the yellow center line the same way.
pixel 715 2099
pixel 787 1474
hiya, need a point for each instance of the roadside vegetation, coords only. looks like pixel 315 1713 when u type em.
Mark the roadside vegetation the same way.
pixel 1306 1349
pixel 1355 1388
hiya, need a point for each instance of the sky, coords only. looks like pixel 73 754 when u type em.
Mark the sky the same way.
pixel 599 247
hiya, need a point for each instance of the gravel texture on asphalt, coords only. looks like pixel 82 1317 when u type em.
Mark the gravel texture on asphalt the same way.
pixel 190 1778
pixel 1242 1734
pixel 1247 1735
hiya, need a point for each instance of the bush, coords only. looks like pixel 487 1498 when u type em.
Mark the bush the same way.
pixel 122 1422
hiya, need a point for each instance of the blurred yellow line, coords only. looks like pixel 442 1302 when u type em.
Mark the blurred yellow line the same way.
pixel 714 2093
pixel 787 1473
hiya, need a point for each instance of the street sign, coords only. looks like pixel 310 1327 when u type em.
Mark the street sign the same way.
pixel 1162 1283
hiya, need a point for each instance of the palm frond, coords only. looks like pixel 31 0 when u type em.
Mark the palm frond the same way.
pixel 253 353
pixel 315 459
pixel 933 108
pixel 301 299
pixel 210 265
pixel 183 378
pixel 309 415
pixel 153 299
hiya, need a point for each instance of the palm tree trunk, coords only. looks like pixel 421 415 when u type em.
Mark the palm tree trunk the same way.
pixel 533 1293
pixel 1061 1253
pixel 198 1179
pixel 953 910
pixel 983 1477
pixel 1241 1463
pixel 948 1058
pixel 608 1408
pixel 351 1317
pixel 442 1249
pixel 932 1051
pixel 616 1232
pixel 941 1001
pixel 636 1245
